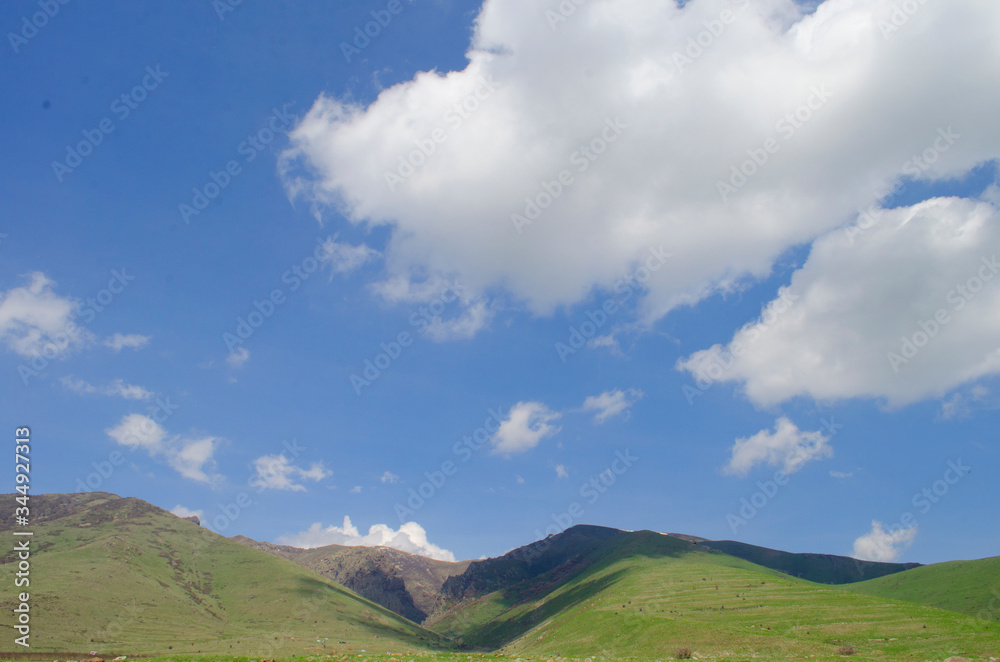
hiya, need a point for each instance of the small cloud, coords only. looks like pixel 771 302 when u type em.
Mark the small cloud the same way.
pixel 238 357
pixel 519 479
pixel 787 447
pixel 117 388
pixel 561 471
pixel 840 474
pixel 192 458
pixel 608 341
pixel 882 545
pixel 525 426
pixel 410 537
pixel 356 489
pixel 35 321
pixel 389 477
pixel 611 403
pixel 276 472
pixel 119 341
pixel 345 258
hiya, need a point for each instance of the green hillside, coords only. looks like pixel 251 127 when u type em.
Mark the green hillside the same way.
pixel 968 587
pixel 119 575
pixel 646 595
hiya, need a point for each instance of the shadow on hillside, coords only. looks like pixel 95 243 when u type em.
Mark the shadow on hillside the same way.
pixel 499 633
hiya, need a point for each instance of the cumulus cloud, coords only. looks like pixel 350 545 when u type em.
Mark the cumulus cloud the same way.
pixel 356 489
pixel 410 537
pixel 192 458
pixel 117 388
pixel 882 545
pixel 561 471
pixel 181 511
pixel 540 99
pixel 526 425
pixel 389 477
pixel 276 472
pixel 611 403
pixel 238 357
pixel 902 312
pixel 345 258
pixel 35 321
pixel 120 341
pixel 787 447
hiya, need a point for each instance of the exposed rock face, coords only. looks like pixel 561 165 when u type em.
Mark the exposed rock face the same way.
pixel 194 518
pixel 407 584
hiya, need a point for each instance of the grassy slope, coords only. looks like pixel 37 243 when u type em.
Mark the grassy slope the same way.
pixel 649 596
pixel 968 587
pixel 121 575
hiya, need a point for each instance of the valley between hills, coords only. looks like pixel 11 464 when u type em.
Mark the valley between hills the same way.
pixel 119 576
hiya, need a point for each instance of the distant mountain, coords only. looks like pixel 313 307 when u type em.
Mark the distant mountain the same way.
pixel 819 568
pixel 118 574
pixel 407 584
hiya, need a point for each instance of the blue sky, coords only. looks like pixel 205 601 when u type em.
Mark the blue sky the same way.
pixel 679 247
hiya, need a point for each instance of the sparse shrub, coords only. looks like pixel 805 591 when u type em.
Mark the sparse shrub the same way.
pixel 846 650
pixel 683 653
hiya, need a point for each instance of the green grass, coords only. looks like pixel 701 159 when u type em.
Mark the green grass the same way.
pixel 967 587
pixel 650 598
pixel 125 577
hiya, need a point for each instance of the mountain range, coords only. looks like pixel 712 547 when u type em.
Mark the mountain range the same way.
pixel 121 576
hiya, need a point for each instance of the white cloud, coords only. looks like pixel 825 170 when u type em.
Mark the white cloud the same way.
pixel 192 458
pixel 35 321
pixel 835 330
pixel 117 388
pixel 519 479
pixel 276 472
pixel 181 511
pixel 138 431
pixel 238 357
pixel 841 474
pixel 561 471
pixel 355 490
pixel 345 258
pixel 120 340
pixel 787 447
pixel 542 94
pixel 882 545
pixel 411 537
pixel 389 477
pixel 611 403
pixel 526 425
